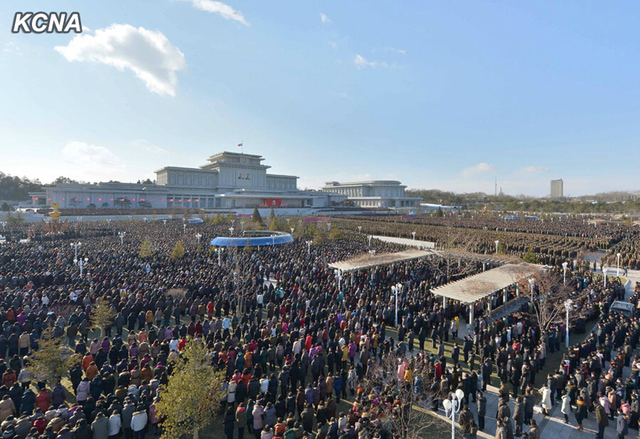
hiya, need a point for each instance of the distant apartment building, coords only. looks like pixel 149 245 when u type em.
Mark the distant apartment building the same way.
pixel 557 188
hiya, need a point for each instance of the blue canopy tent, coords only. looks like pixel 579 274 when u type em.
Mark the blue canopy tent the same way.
pixel 253 239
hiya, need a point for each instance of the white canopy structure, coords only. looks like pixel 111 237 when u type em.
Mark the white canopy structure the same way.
pixel 374 260
pixel 473 288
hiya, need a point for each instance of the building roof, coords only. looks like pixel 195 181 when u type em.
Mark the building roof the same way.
pixel 473 288
pixel 367 260
pixel 363 183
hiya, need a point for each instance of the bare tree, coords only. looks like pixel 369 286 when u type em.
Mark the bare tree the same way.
pixel 400 409
pixel 547 298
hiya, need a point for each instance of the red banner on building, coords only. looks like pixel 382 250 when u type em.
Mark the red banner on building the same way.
pixel 273 202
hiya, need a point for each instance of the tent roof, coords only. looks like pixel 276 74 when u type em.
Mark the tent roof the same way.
pixel 367 260
pixel 473 288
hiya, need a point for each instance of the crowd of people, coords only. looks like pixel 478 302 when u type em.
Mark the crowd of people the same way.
pixel 301 357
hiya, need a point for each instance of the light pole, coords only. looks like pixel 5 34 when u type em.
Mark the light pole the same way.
pixel 339 277
pixel 80 263
pixel 184 227
pixel 395 289
pixel 618 265
pixel 329 226
pixel 497 244
pixel 121 235
pixel 370 236
pixel 604 270
pixel 198 236
pixel 164 222
pixel 359 229
pixel 4 225
pixel 452 406
pixel 242 226
pixel 231 230
pixel 219 250
pixel 293 229
pixel 414 235
pixel 567 306
pixel 564 275
pixel 309 247
pixel 75 246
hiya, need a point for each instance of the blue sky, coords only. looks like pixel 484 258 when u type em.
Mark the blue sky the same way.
pixel 445 95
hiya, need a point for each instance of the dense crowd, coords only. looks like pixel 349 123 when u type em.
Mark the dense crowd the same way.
pixel 291 343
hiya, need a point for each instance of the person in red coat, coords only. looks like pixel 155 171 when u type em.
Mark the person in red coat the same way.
pixel 43 400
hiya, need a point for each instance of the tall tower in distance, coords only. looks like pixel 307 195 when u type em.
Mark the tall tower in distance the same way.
pixel 557 188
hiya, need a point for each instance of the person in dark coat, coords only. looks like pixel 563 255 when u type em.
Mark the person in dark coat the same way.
pixel 482 410
pixel 307 418
pixel 82 430
pixel 28 402
pixel 229 422
pixel 518 415
pixel 241 391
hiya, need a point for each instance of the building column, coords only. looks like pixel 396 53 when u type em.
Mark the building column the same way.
pixel 505 293
pixel 471 315
pixel 490 303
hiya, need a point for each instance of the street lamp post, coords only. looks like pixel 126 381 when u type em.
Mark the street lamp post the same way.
pixel 231 230
pixel 309 247
pixel 395 289
pixel 414 235
pixel 184 228
pixel 80 263
pixel 370 236
pixel 497 244
pixel 198 236
pixel 121 235
pixel 359 229
pixel 219 250
pixel 618 265
pixel 452 406
pixel 242 226
pixel 564 276
pixel 339 277
pixel 604 270
pixel 75 246
pixel 293 229
pixel 567 306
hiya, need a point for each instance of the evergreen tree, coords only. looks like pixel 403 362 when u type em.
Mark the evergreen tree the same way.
pixel 256 218
pixel 102 315
pixel 192 398
pixel 52 360
pixel 145 249
pixel 178 251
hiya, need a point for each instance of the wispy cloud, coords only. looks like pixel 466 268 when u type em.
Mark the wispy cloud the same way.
pixel 395 50
pixel 343 95
pixel 534 170
pixel 11 47
pixel 480 168
pixel 324 19
pixel 333 45
pixel 92 161
pixel 224 10
pixel 147 146
pixel 362 63
pixel 149 54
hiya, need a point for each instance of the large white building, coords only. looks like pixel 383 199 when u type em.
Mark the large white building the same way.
pixel 228 180
pixel 374 194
